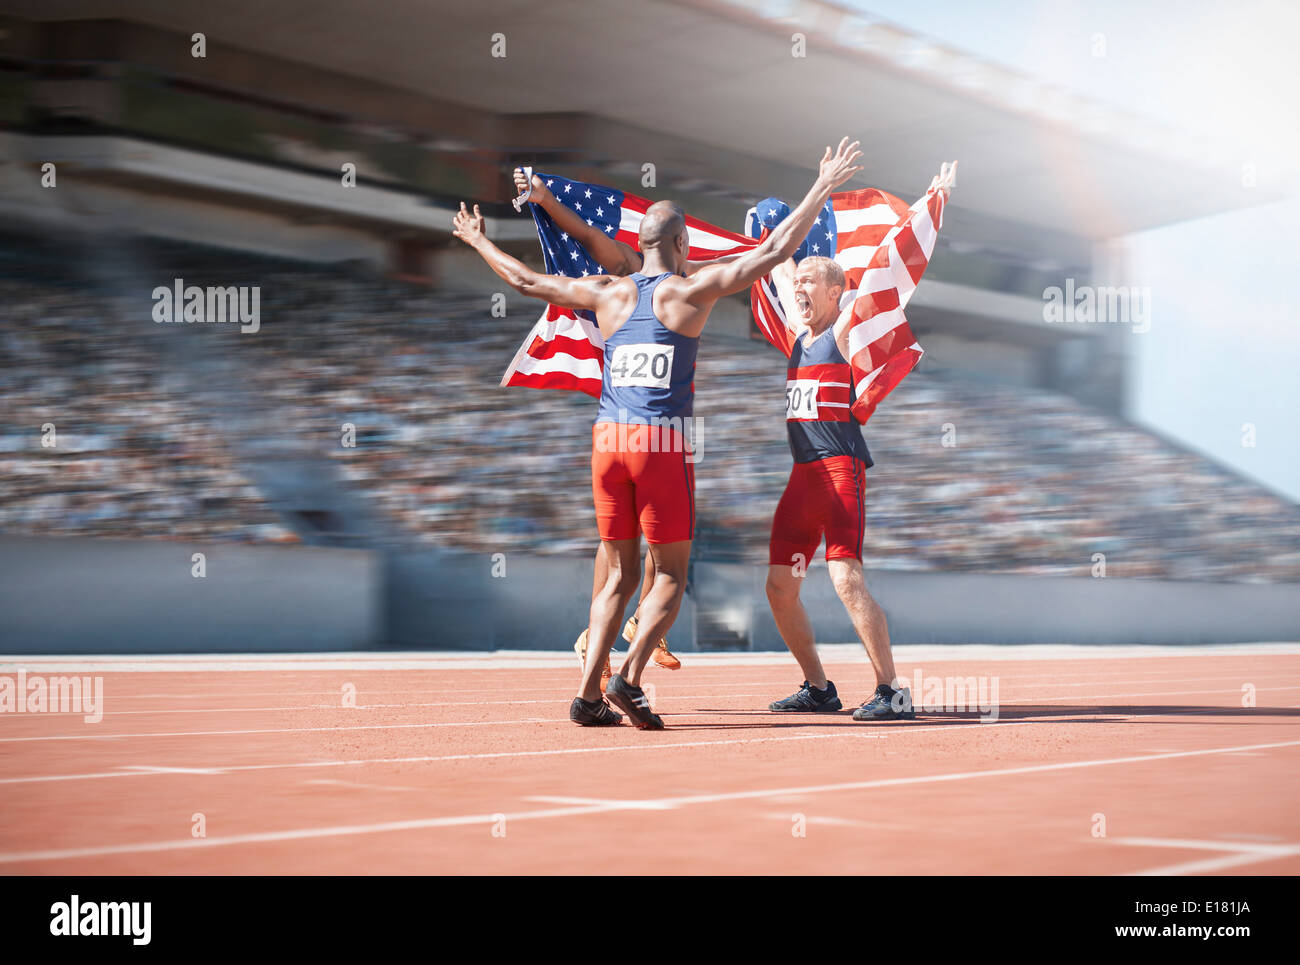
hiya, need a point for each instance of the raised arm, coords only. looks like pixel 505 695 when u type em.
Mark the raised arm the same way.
pixel 585 293
pixel 713 281
pixel 611 254
pixel 693 266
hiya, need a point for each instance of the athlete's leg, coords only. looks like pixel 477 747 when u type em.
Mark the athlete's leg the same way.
pixel 647 580
pixel 614 497
pixel 600 570
pixel 660 606
pixel 665 506
pixel 663 657
pixel 792 621
pixel 796 531
pixel 607 606
pixel 867 616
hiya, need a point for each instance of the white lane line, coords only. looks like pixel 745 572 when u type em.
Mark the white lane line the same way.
pixel 1199 844
pixel 334 782
pixel 534 720
pixel 1239 853
pixel 831 821
pixel 281 730
pixel 150 769
pixel 297 835
pixel 1021 682
pixel 1151 693
pixel 538 659
pixel 560 693
pixel 968 775
pixel 561 690
pixel 1209 864
pixel 441 703
pixel 423 823
pixel 491 755
pixel 854 731
pixel 611 805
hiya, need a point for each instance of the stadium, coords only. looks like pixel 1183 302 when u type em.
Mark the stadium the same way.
pixel 316 561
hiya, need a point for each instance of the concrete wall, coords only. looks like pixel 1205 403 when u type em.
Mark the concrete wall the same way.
pixel 138 596
pixel 453 601
pixel 978 608
pixel 442 600
pixel 83 595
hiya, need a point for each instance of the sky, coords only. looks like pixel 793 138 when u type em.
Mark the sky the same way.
pixel 1223 351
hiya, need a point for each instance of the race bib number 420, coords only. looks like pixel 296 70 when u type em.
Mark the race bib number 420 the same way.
pixel 801 399
pixel 645 365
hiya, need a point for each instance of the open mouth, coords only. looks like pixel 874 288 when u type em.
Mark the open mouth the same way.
pixel 802 305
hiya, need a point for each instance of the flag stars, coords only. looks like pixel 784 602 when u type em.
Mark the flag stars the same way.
pixel 550 181
pixel 588 194
pixel 589 221
pixel 564 235
pixel 577 205
pixel 568 188
pixel 611 199
pixel 600 212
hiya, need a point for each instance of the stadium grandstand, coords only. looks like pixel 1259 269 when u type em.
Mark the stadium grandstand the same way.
pixel 1008 451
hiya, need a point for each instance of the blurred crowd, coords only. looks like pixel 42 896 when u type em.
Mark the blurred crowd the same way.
pixel 98 438
pixel 158 430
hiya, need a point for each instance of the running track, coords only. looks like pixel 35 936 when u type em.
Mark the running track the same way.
pixel 462 763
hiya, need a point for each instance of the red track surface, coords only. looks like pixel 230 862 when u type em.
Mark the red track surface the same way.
pixel 291 782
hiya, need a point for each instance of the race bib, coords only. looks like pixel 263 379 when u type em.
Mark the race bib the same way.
pixel 650 365
pixel 801 399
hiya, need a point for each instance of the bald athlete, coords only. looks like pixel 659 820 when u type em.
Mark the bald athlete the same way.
pixel 651 322
pixel 616 258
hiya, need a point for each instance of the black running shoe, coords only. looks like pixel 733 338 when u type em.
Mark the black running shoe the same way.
pixel 809 700
pixel 593 713
pixel 632 700
pixel 887 704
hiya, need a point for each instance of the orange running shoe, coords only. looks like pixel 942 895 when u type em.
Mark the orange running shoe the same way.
pixel 663 656
pixel 580 648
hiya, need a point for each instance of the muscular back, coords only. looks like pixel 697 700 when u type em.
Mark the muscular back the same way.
pixel 681 304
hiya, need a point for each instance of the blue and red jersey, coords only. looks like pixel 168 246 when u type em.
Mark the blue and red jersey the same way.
pixel 649 369
pixel 819 397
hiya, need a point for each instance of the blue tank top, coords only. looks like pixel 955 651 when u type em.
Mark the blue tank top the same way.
pixel 649 369
pixel 819 397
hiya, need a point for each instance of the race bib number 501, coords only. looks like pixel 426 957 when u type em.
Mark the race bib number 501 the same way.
pixel 645 365
pixel 801 399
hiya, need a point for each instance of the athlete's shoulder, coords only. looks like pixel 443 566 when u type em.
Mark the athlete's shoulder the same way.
pixel 625 284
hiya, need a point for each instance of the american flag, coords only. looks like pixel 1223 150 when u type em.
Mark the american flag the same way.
pixel 884 247
pixel 565 349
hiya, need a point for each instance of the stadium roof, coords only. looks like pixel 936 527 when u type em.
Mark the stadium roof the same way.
pixel 721 72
